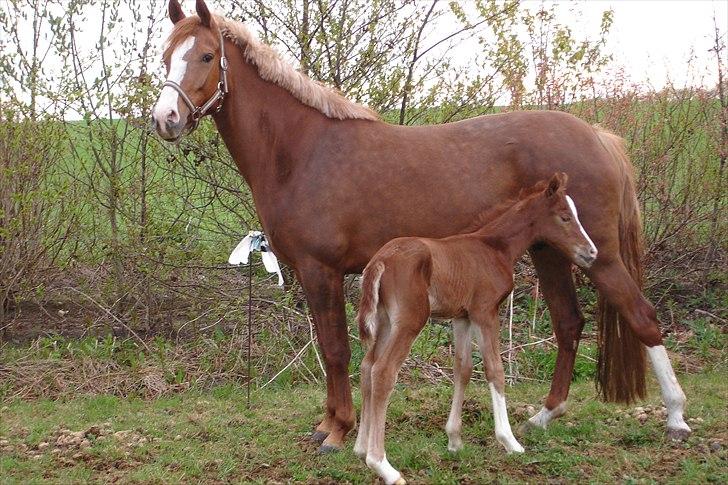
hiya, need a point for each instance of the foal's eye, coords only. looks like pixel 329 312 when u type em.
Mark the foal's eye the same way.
pixel 565 219
pixel 207 58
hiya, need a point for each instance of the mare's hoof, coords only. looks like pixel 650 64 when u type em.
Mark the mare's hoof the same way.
pixel 318 436
pixel 678 434
pixel 326 449
pixel 526 427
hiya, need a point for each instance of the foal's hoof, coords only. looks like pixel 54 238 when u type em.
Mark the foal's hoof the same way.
pixel 327 449
pixel 319 436
pixel 678 434
pixel 400 481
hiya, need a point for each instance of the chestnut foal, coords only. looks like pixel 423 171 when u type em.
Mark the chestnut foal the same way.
pixel 463 277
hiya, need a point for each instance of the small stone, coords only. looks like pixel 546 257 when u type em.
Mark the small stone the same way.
pixel 178 437
pixel 530 410
pixel 639 410
pixel 56 451
pixel 4 442
pixel 37 457
pixel 85 444
pixel 698 420
pixel 42 446
pixel 715 446
pixel 642 418
pixel 77 456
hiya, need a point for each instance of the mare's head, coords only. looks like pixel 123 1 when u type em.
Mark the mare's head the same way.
pixel 196 84
pixel 559 225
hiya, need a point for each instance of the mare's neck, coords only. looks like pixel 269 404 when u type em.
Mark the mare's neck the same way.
pixel 265 128
pixel 511 233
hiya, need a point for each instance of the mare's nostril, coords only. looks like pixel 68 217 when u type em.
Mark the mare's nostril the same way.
pixel 172 117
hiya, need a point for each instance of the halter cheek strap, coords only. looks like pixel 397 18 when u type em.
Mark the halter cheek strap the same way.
pixel 217 98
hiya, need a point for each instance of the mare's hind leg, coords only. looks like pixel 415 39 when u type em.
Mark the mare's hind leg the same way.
pixel 612 279
pixel 557 283
pixel 487 332
pixel 462 370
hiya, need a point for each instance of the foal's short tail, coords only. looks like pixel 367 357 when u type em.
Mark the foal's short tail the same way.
pixel 367 316
pixel 621 361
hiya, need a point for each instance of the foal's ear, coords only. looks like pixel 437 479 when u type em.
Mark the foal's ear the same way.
pixel 175 11
pixel 557 182
pixel 203 12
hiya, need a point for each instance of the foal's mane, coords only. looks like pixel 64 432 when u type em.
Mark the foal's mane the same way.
pixel 489 215
pixel 273 68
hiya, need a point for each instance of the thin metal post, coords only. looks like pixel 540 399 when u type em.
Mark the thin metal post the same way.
pixel 250 321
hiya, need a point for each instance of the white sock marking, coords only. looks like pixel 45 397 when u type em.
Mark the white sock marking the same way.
pixel 169 97
pixel 382 468
pixel 545 416
pixel 572 206
pixel 503 432
pixel 672 393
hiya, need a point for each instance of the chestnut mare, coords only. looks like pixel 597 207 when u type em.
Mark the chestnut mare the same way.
pixel 464 277
pixel 332 183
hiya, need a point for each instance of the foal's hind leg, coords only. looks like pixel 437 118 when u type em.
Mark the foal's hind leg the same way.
pixel 463 369
pixel 394 350
pixel 557 283
pixel 612 279
pixel 487 332
pixel 374 351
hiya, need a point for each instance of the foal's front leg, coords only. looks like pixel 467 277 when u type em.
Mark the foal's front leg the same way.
pixel 462 370
pixel 488 341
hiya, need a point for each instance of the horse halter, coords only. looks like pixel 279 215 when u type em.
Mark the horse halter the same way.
pixel 218 97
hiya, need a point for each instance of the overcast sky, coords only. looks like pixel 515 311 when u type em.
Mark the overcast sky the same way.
pixel 653 39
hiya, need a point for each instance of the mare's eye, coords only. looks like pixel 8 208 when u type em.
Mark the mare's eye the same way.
pixel 207 57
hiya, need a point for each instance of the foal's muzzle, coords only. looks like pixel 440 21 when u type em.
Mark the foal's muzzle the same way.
pixel 585 257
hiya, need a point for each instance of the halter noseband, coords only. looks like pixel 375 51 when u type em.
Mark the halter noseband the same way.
pixel 218 97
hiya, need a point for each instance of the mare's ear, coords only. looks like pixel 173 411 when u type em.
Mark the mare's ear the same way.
pixel 204 13
pixel 175 11
pixel 557 182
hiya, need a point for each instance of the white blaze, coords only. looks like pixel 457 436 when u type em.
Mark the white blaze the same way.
pixel 572 206
pixel 169 97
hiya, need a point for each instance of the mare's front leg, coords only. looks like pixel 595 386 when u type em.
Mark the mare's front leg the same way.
pixel 557 282
pixel 462 370
pixel 487 332
pixel 612 279
pixel 323 287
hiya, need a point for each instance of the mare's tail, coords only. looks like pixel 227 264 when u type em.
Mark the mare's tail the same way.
pixel 367 316
pixel 621 361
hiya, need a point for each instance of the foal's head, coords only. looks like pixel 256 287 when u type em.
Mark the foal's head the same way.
pixel 195 72
pixel 559 224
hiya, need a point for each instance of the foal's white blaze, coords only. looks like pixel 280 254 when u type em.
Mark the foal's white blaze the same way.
pixel 545 416
pixel 672 393
pixel 169 97
pixel 572 206
pixel 503 432
pixel 388 473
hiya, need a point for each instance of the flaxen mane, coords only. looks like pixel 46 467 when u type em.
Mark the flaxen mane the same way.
pixel 275 69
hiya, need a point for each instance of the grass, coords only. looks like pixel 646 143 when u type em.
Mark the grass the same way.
pixel 212 437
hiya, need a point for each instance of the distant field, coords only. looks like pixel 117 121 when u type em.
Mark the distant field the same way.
pixel 212 437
